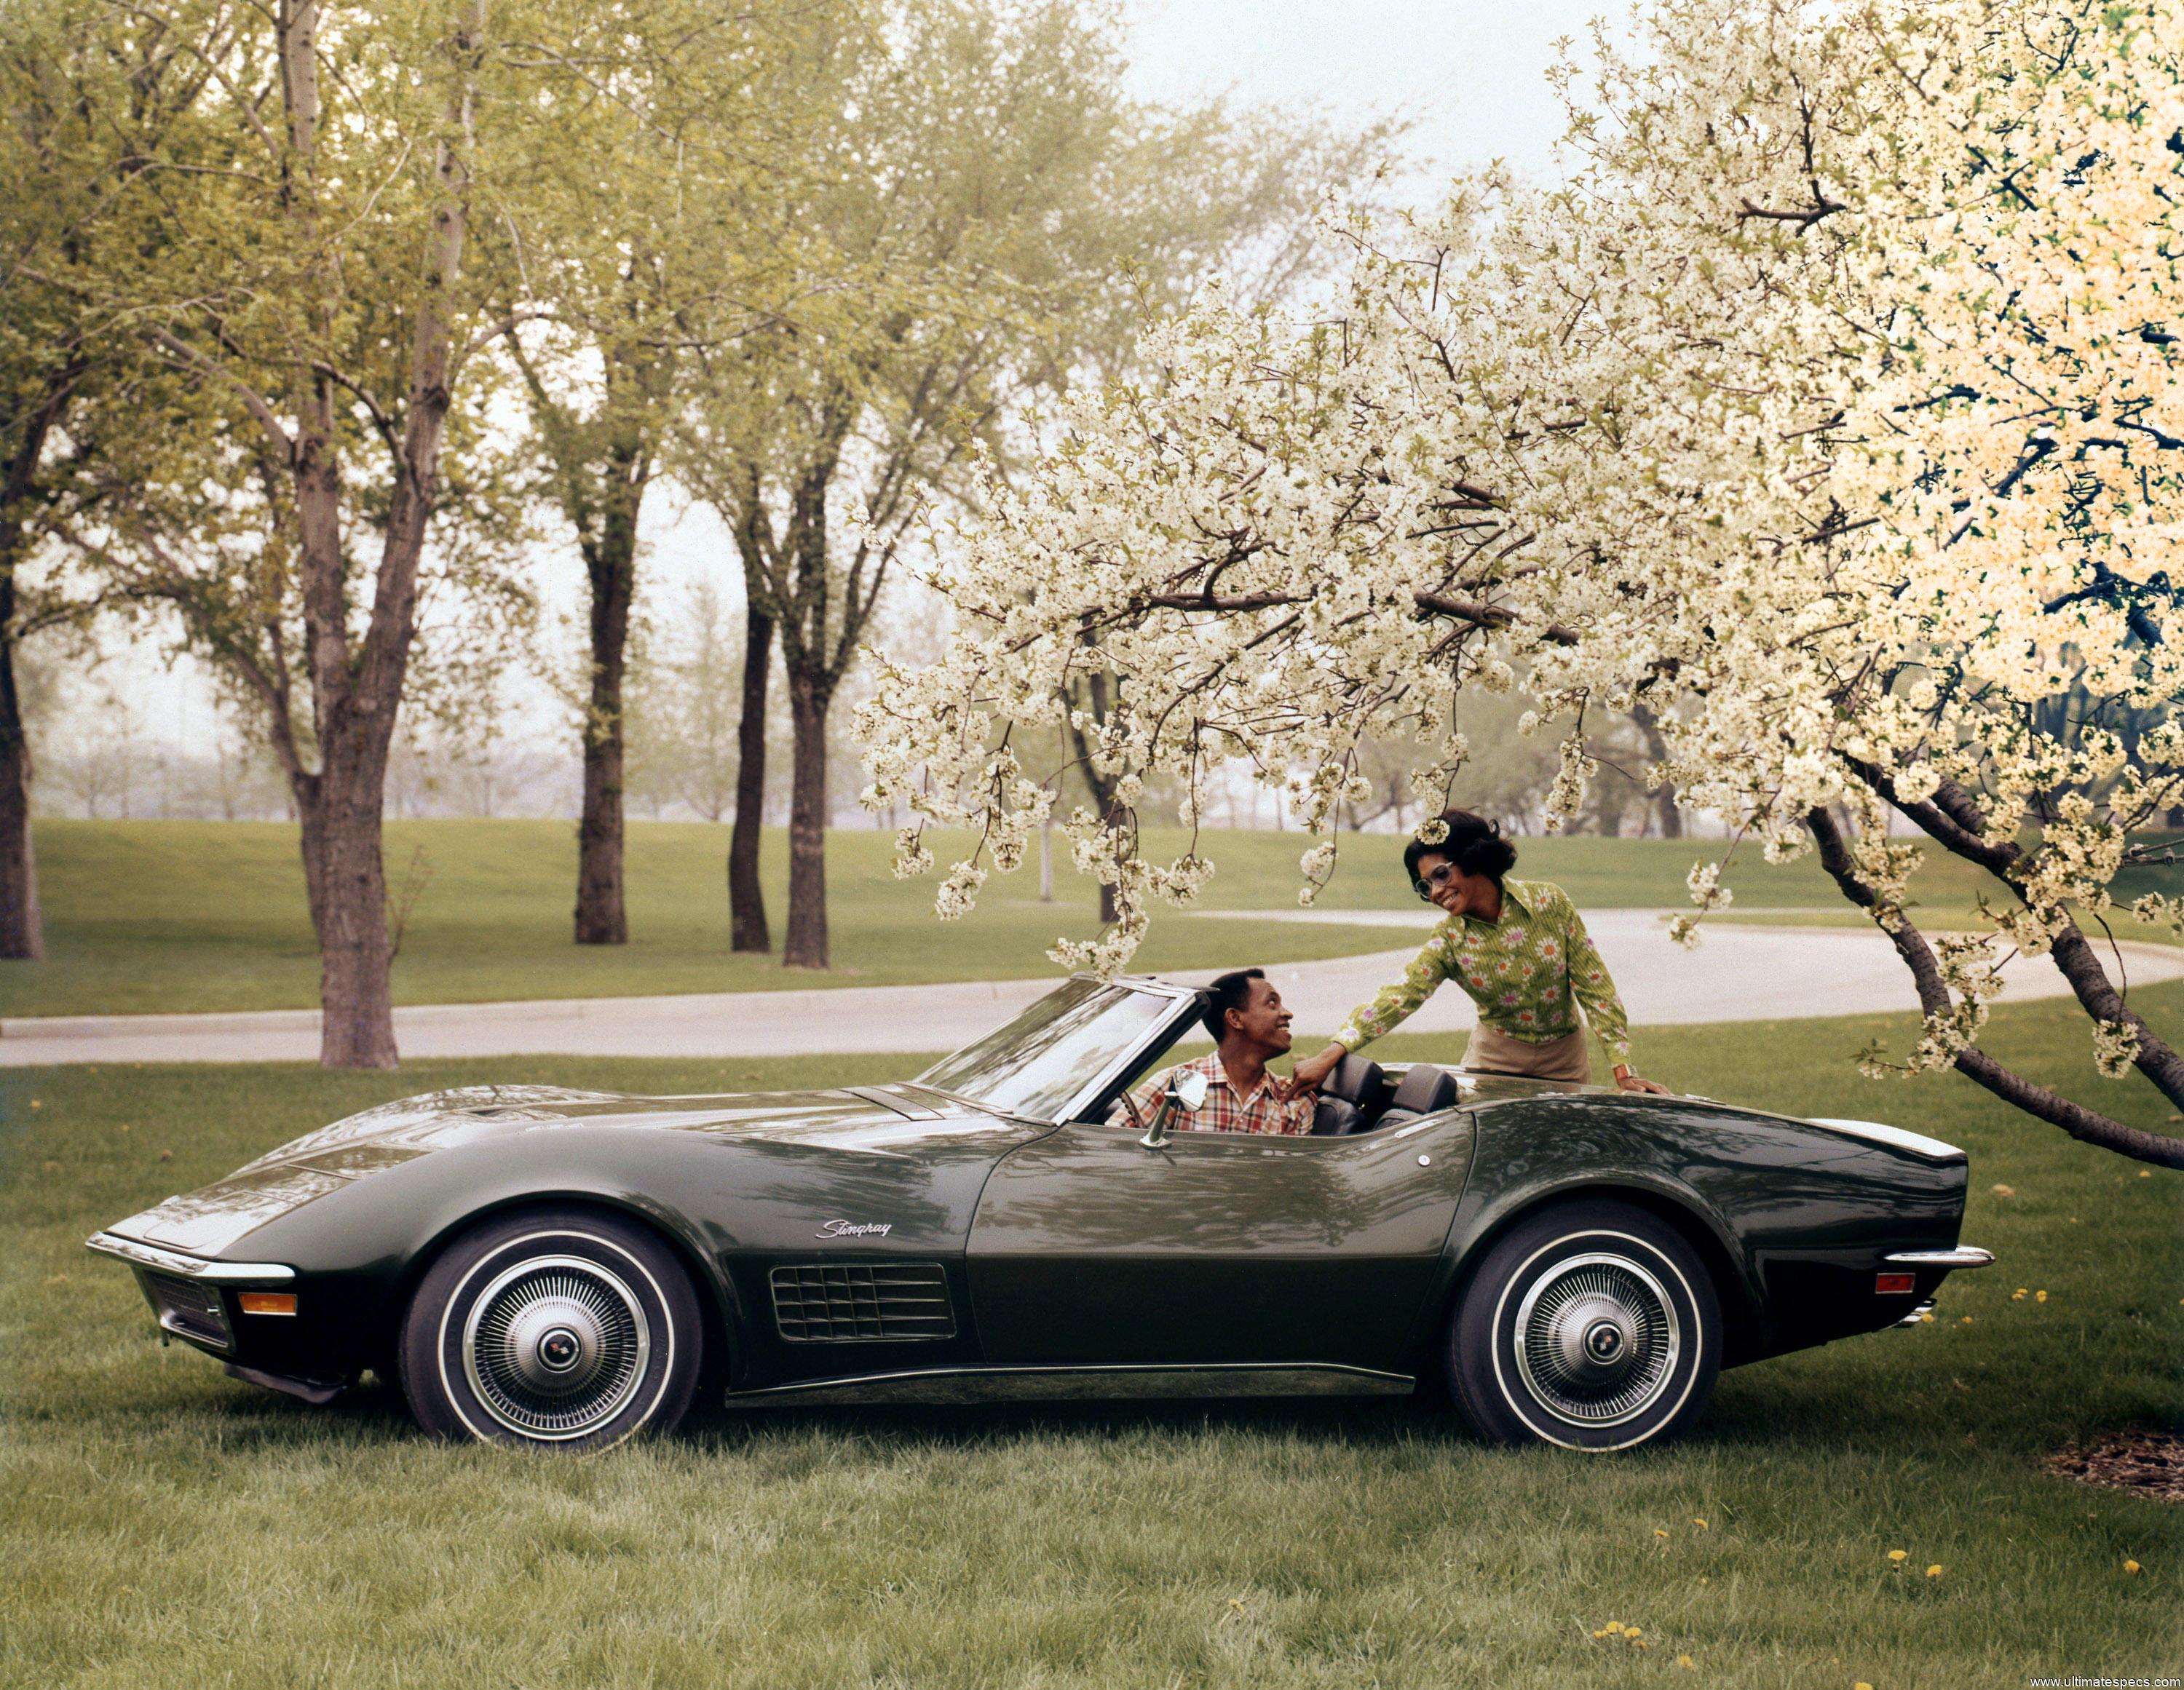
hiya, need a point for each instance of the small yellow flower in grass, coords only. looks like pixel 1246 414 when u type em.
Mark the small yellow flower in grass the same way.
pixel 2146 1173
pixel 1687 1663
pixel 1934 1571
pixel 1614 1628
pixel 1899 1556
pixel 1633 1633
pixel 1700 1524
pixel 1928 1320
pixel 1861 1685
pixel 2039 1297
pixel 2019 1294
pixel 2005 1190
pixel 166 1155
pixel 38 1104
pixel 1658 1532
pixel 1600 1634
pixel 2130 1566
pixel 1967 1320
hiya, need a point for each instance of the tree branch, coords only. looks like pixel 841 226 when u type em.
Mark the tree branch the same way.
pixel 1952 818
pixel 1975 1063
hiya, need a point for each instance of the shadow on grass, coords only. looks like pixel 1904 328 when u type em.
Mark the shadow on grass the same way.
pixel 1784 1415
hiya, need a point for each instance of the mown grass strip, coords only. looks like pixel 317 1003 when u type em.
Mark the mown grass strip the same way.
pixel 164 1526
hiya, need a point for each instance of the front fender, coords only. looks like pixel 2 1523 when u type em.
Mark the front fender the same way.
pixel 360 1250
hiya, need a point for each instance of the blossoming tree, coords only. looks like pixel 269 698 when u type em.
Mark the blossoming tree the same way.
pixel 1831 413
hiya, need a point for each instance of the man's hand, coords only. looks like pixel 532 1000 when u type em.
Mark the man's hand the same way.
pixel 1306 1077
pixel 1628 1081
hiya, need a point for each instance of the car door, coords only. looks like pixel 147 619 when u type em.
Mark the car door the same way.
pixel 1089 1249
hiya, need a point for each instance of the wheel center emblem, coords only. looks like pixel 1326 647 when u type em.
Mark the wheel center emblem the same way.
pixel 559 1349
pixel 1603 1340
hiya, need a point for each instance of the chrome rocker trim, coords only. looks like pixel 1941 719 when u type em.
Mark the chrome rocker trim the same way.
pixel 1055 1384
pixel 1964 1256
pixel 189 1267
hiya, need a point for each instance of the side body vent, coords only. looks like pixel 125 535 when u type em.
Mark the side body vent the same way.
pixel 862 1302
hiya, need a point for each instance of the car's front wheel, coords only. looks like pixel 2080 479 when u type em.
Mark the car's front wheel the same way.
pixel 563 1329
pixel 1592 1325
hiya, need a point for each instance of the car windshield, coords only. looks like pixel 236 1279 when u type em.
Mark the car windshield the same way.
pixel 1038 1064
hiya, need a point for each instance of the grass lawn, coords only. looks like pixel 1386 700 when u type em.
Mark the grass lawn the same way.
pixel 150 916
pixel 167 916
pixel 165 1526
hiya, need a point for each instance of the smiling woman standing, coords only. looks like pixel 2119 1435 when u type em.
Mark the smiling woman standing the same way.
pixel 1519 951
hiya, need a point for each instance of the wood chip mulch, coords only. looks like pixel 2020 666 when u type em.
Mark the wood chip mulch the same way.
pixel 2147 1463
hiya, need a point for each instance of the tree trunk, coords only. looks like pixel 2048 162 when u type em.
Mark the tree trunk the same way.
pixel 610 566
pixel 746 898
pixel 22 932
pixel 1668 815
pixel 805 944
pixel 341 865
pixel 22 928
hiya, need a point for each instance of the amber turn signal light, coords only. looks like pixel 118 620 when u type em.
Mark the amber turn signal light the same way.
pixel 1884 1285
pixel 281 1302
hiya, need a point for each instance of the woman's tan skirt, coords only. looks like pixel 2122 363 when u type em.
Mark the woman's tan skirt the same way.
pixel 1494 1052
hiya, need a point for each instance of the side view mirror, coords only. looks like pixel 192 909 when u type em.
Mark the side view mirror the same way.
pixel 1185 1091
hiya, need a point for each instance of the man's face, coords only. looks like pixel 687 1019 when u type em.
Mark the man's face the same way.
pixel 1262 1020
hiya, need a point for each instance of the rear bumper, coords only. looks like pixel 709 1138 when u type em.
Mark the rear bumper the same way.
pixel 1964 1256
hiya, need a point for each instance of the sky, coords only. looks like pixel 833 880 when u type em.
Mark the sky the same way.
pixel 1470 75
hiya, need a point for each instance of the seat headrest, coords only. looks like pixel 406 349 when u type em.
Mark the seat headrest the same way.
pixel 1426 1088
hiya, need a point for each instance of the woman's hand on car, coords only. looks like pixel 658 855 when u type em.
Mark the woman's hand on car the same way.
pixel 1310 1071
pixel 1628 1081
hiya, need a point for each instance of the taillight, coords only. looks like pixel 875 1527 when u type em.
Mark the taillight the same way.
pixel 1884 1285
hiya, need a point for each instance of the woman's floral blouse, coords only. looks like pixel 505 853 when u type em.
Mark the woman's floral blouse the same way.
pixel 1529 973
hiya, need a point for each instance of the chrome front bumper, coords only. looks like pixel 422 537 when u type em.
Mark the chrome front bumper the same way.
pixel 206 1272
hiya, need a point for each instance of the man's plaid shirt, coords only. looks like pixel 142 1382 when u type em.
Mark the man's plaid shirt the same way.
pixel 1222 1111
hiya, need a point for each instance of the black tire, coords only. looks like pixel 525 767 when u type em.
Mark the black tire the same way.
pixel 553 1328
pixel 1592 1325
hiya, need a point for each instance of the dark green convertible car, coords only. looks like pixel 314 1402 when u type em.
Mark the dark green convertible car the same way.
pixel 562 1268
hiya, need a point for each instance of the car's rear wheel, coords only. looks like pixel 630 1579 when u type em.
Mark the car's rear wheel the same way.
pixel 1592 1325
pixel 561 1329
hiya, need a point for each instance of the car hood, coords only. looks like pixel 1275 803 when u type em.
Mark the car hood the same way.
pixel 208 1220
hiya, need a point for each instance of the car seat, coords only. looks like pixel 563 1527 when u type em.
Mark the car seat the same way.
pixel 1350 1098
pixel 1425 1090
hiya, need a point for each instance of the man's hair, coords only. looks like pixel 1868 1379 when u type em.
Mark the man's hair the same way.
pixel 1474 844
pixel 1229 990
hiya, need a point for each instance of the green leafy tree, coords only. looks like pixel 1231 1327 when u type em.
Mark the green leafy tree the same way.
pixel 315 306
pixel 996 213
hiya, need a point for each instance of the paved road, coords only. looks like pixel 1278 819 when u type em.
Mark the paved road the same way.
pixel 1739 974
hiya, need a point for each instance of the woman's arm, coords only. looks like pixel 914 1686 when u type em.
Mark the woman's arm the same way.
pixel 1395 1003
pixel 1391 1005
pixel 1597 996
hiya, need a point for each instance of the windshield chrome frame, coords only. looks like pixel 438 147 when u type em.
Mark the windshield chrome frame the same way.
pixel 1181 998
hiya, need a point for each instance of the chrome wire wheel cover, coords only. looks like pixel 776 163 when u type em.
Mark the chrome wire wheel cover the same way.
pixel 555 1347
pixel 1596 1339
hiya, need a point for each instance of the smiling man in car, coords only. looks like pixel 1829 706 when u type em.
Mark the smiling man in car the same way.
pixel 1244 1014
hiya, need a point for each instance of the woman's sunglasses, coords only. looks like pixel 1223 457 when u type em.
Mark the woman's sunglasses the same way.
pixel 1434 879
